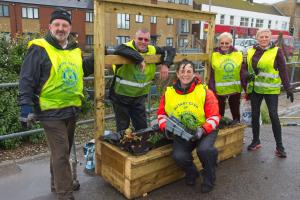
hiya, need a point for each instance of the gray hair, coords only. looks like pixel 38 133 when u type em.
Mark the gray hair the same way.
pixel 263 30
pixel 225 35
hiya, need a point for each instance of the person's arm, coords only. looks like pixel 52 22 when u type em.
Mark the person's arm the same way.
pixel 125 51
pixel 211 109
pixel 167 57
pixel 161 114
pixel 88 65
pixel 243 73
pixel 211 83
pixel 30 75
pixel 280 65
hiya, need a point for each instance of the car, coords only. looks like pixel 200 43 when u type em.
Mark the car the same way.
pixel 243 44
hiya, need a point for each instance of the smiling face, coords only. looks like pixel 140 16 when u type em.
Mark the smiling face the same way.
pixel 264 39
pixel 142 40
pixel 185 74
pixel 225 43
pixel 60 29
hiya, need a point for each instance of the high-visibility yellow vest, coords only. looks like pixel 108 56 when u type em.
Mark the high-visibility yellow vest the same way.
pixel 267 81
pixel 227 70
pixel 64 86
pixel 130 80
pixel 191 103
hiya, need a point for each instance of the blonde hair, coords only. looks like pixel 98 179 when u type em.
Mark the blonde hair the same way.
pixel 225 35
pixel 263 30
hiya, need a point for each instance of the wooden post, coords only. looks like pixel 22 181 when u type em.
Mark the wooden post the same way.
pixel 99 84
pixel 209 47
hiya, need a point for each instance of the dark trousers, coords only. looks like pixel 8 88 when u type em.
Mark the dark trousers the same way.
pixel 60 135
pixel 272 104
pixel 234 105
pixel 130 108
pixel 207 153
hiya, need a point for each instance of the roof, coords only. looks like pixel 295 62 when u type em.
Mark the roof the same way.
pixel 58 3
pixel 242 5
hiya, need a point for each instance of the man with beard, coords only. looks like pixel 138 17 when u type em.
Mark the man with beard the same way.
pixel 51 87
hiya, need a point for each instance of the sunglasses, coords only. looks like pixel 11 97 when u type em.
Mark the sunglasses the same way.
pixel 224 43
pixel 141 39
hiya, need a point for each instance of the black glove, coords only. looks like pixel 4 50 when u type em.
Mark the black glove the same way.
pixel 290 95
pixel 27 117
pixel 198 134
pixel 250 77
pixel 256 71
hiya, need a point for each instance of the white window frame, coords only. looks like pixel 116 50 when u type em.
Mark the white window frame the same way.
pixel 123 21
pixel 222 19
pixel 259 23
pixel 89 16
pixel 185 26
pixel 153 19
pixel 4 10
pixel 30 13
pixel 169 41
pixel 89 39
pixel 231 22
pixel 170 21
pixel 122 39
pixel 244 21
pixel 269 23
pixel 139 18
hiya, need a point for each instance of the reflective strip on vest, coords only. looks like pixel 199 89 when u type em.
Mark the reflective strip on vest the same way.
pixel 268 75
pixel 130 83
pixel 260 84
pixel 229 83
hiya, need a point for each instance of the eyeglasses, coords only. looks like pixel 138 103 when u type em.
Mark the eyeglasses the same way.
pixel 141 39
pixel 224 43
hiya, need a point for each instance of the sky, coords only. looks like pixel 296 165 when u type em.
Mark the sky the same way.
pixel 266 1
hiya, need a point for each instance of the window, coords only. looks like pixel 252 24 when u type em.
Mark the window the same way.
pixel 244 21
pixel 276 24
pixel 30 13
pixel 89 39
pixel 184 2
pixel 170 21
pixel 284 26
pixel 169 41
pixel 122 39
pixel 222 19
pixel 4 11
pixel 171 1
pixel 123 21
pixel 185 26
pixel 231 20
pixel 153 20
pixel 252 22
pixel 269 23
pixel 259 23
pixel 139 18
pixel 89 16
pixel 183 42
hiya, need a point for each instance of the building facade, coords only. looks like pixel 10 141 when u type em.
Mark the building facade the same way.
pixel 32 16
pixel 243 17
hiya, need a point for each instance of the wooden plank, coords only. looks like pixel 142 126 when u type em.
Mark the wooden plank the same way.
pixel 99 84
pixel 209 48
pixel 147 9
pixel 117 60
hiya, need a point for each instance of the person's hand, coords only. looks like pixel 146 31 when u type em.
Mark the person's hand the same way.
pixel 250 77
pixel 198 134
pixel 27 117
pixel 143 66
pixel 164 72
pixel 115 137
pixel 290 95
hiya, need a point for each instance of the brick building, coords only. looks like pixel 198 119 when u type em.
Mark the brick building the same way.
pixel 32 16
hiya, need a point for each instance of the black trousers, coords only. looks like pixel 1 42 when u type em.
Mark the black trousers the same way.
pixel 272 104
pixel 207 153
pixel 234 105
pixel 129 108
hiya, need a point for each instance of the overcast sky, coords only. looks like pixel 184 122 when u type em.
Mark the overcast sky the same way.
pixel 267 1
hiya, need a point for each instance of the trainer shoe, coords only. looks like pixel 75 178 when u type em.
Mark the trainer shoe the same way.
pixel 254 145
pixel 206 188
pixel 280 152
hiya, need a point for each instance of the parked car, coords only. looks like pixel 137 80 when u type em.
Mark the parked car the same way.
pixel 243 44
pixel 288 42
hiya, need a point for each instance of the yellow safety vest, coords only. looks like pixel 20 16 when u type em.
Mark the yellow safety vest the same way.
pixel 267 81
pixel 130 80
pixel 227 70
pixel 191 103
pixel 64 86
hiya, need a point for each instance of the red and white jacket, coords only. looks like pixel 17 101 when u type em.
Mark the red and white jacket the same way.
pixel 211 107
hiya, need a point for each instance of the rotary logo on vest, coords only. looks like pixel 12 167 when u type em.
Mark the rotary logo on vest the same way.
pixel 69 76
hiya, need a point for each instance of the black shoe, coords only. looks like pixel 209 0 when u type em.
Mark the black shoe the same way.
pixel 191 180
pixel 280 152
pixel 206 188
pixel 254 145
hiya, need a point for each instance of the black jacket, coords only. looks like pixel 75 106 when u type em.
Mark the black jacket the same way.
pixel 35 72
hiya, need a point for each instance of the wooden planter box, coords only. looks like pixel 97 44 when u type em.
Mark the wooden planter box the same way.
pixel 135 175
